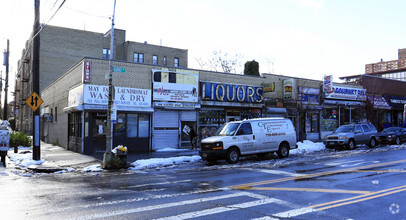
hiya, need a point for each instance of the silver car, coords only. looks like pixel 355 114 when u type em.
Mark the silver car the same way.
pixel 349 136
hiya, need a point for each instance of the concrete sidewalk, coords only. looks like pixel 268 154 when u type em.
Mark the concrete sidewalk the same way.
pixel 57 158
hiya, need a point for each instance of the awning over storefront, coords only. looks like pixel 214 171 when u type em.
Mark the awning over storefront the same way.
pixel 344 103
pixel 378 102
pixel 397 102
pixel 276 112
pixel 90 107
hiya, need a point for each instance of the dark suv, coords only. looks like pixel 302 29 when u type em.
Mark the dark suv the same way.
pixel 351 135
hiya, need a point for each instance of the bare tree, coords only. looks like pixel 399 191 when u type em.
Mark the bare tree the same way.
pixel 269 64
pixel 222 62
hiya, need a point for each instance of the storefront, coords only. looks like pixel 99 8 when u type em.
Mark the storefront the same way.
pixel 342 105
pixel 379 111
pixel 223 102
pixel 87 118
pixel 395 117
pixel 175 102
pixel 310 113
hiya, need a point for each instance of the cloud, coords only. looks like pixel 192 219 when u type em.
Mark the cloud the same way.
pixel 317 4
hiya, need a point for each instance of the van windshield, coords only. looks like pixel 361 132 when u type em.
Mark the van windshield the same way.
pixel 228 129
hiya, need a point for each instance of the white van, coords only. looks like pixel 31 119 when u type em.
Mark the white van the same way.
pixel 254 136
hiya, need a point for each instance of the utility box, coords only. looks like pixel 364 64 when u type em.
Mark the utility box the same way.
pixel 4 143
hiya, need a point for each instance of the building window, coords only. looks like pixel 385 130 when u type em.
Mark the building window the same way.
pixel 157 77
pixel 138 58
pixel 56 114
pixel 172 77
pixel 176 62
pixel 132 125
pixel 155 59
pixel 165 62
pixel 106 53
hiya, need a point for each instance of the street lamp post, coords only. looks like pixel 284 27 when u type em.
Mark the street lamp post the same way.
pixel 108 159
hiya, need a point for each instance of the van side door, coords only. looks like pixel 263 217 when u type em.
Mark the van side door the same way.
pixel 245 138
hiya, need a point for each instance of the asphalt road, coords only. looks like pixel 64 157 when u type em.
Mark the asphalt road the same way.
pixel 360 184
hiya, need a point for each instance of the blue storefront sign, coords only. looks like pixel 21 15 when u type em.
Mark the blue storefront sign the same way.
pixel 231 93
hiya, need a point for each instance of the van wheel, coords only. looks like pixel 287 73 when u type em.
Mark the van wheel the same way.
pixel 283 150
pixel 372 143
pixel 351 145
pixel 233 155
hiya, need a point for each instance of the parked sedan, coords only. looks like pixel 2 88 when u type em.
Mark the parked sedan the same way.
pixel 394 135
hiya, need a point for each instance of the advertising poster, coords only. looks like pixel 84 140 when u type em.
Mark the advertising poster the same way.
pixel 175 86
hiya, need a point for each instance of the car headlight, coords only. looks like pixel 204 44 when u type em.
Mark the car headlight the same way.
pixel 390 136
pixel 342 137
pixel 218 146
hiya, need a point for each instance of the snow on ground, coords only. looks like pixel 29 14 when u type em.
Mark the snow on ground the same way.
pixel 93 168
pixel 307 147
pixel 170 150
pixel 163 162
pixel 23 160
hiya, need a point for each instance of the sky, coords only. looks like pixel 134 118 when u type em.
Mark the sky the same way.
pixel 299 38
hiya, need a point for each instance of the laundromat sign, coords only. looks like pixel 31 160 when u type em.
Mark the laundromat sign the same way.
pixel 99 95
pixel 349 93
pixel 231 93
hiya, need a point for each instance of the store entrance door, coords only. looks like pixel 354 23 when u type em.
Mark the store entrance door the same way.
pixel 233 118
pixel 233 115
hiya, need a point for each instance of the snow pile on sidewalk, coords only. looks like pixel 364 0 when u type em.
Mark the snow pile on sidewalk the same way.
pixel 23 160
pixel 163 162
pixel 307 147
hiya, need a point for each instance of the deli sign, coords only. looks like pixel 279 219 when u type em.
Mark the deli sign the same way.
pixel 231 93
pixel 348 93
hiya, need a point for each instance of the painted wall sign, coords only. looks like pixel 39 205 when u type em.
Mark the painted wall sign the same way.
pixel 175 86
pixel 98 95
pixel 347 93
pixel 288 85
pixel 86 72
pixel 231 93
pixel 269 87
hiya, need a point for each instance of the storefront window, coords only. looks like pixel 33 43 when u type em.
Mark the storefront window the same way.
pixel 209 117
pixel 132 125
pixel 120 125
pixel 144 125
pixel 329 121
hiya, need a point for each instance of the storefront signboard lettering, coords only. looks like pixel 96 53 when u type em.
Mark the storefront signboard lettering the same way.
pixel 346 93
pixel 95 94
pixel 175 86
pixel 86 72
pixel 328 83
pixel 231 93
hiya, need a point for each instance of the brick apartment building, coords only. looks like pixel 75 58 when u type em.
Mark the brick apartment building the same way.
pixel 61 48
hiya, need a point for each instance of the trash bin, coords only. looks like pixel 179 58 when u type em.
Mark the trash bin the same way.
pixel 120 156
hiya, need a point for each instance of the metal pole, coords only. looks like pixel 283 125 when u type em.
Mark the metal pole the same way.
pixel 6 83
pixel 36 154
pixel 107 160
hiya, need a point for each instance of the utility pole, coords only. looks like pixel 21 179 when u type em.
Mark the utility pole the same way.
pixel 7 56
pixel 107 158
pixel 36 154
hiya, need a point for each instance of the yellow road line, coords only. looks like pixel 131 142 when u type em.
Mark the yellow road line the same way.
pixel 380 171
pixel 360 198
pixel 307 190
pixel 306 176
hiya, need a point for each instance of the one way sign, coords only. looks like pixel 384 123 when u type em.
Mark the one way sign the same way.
pixel 34 101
